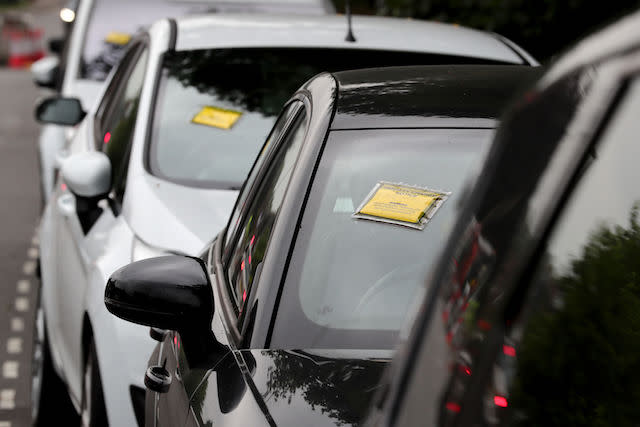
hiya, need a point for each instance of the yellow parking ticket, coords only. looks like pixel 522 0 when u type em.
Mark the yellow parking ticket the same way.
pixel 117 38
pixel 216 117
pixel 401 204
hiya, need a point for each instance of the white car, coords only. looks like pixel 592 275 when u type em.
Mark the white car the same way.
pixel 156 166
pixel 100 32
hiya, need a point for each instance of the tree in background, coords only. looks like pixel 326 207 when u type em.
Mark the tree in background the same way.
pixel 543 27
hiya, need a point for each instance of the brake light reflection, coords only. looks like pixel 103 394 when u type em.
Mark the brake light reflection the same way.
pixel 500 401
pixel 452 406
pixel 509 350
pixel 107 137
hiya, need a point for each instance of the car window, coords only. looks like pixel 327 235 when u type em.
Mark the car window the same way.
pixel 461 322
pixel 118 123
pixel 215 107
pixel 112 92
pixel 352 281
pixel 571 351
pixel 285 117
pixel 257 224
pixel 111 25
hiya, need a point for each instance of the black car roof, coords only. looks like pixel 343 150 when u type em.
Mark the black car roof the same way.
pixel 427 96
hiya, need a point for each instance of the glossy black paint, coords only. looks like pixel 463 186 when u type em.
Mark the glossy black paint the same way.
pixel 170 292
pixel 318 97
pixel 60 111
pixel 248 382
pixel 278 387
pixel 548 142
pixel 441 95
pixel 157 379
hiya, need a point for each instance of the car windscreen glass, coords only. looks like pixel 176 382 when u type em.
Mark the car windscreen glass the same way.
pixel 111 25
pixel 215 107
pixel 352 282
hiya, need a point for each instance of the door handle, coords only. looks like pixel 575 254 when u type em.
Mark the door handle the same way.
pixel 66 205
pixel 157 379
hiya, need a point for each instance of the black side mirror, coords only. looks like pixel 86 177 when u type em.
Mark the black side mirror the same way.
pixel 170 292
pixel 56 45
pixel 60 111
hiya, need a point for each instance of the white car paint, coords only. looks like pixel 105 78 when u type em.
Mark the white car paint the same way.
pixel 371 32
pixel 158 215
pixel 52 138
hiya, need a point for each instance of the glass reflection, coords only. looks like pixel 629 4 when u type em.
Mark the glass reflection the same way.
pixel 578 339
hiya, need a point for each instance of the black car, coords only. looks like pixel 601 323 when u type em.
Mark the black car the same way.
pixel 533 312
pixel 290 315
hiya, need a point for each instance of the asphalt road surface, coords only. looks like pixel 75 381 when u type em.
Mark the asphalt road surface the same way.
pixel 19 213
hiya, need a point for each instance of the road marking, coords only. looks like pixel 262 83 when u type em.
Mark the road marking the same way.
pixel 10 369
pixel 24 286
pixel 5 423
pixel 14 345
pixel 29 268
pixel 32 253
pixel 22 304
pixel 17 324
pixel 7 399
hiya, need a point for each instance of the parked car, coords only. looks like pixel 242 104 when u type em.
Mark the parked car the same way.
pixel 158 164
pixel 546 328
pixel 101 32
pixel 290 314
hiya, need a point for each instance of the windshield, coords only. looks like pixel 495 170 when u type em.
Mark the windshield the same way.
pixel 352 282
pixel 111 25
pixel 215 107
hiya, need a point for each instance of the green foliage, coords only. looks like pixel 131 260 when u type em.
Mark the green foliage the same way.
pixel 543 27
pixel 580 365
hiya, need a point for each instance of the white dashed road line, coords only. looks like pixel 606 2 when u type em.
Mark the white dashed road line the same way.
pixel 29 268
pixel 32 253
pixel 15 342
pixel 7 399
pixel 10 369
pixel 17 324
pixel 14 345
pixel 23 286
pixel 22 304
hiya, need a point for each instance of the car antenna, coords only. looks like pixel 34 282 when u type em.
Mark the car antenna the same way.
pixel 350 37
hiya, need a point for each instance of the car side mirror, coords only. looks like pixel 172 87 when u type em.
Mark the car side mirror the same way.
pixel 60 111
pixel 45 71
pixel 56 44
pixel 169 292
pixel 88 174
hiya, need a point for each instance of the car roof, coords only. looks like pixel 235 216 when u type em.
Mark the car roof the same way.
pixel 380 33
pixel 427 96
pixel 270 6
pixel 611 41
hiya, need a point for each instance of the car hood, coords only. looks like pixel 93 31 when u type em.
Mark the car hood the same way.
pixel 316 388
pixel 175 217
pixel 290 388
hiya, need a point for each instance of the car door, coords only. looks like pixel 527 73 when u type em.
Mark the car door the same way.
pixel 172 407
pixel 78 243
pixel 221 390
pixel 569 350
pixel 536 320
